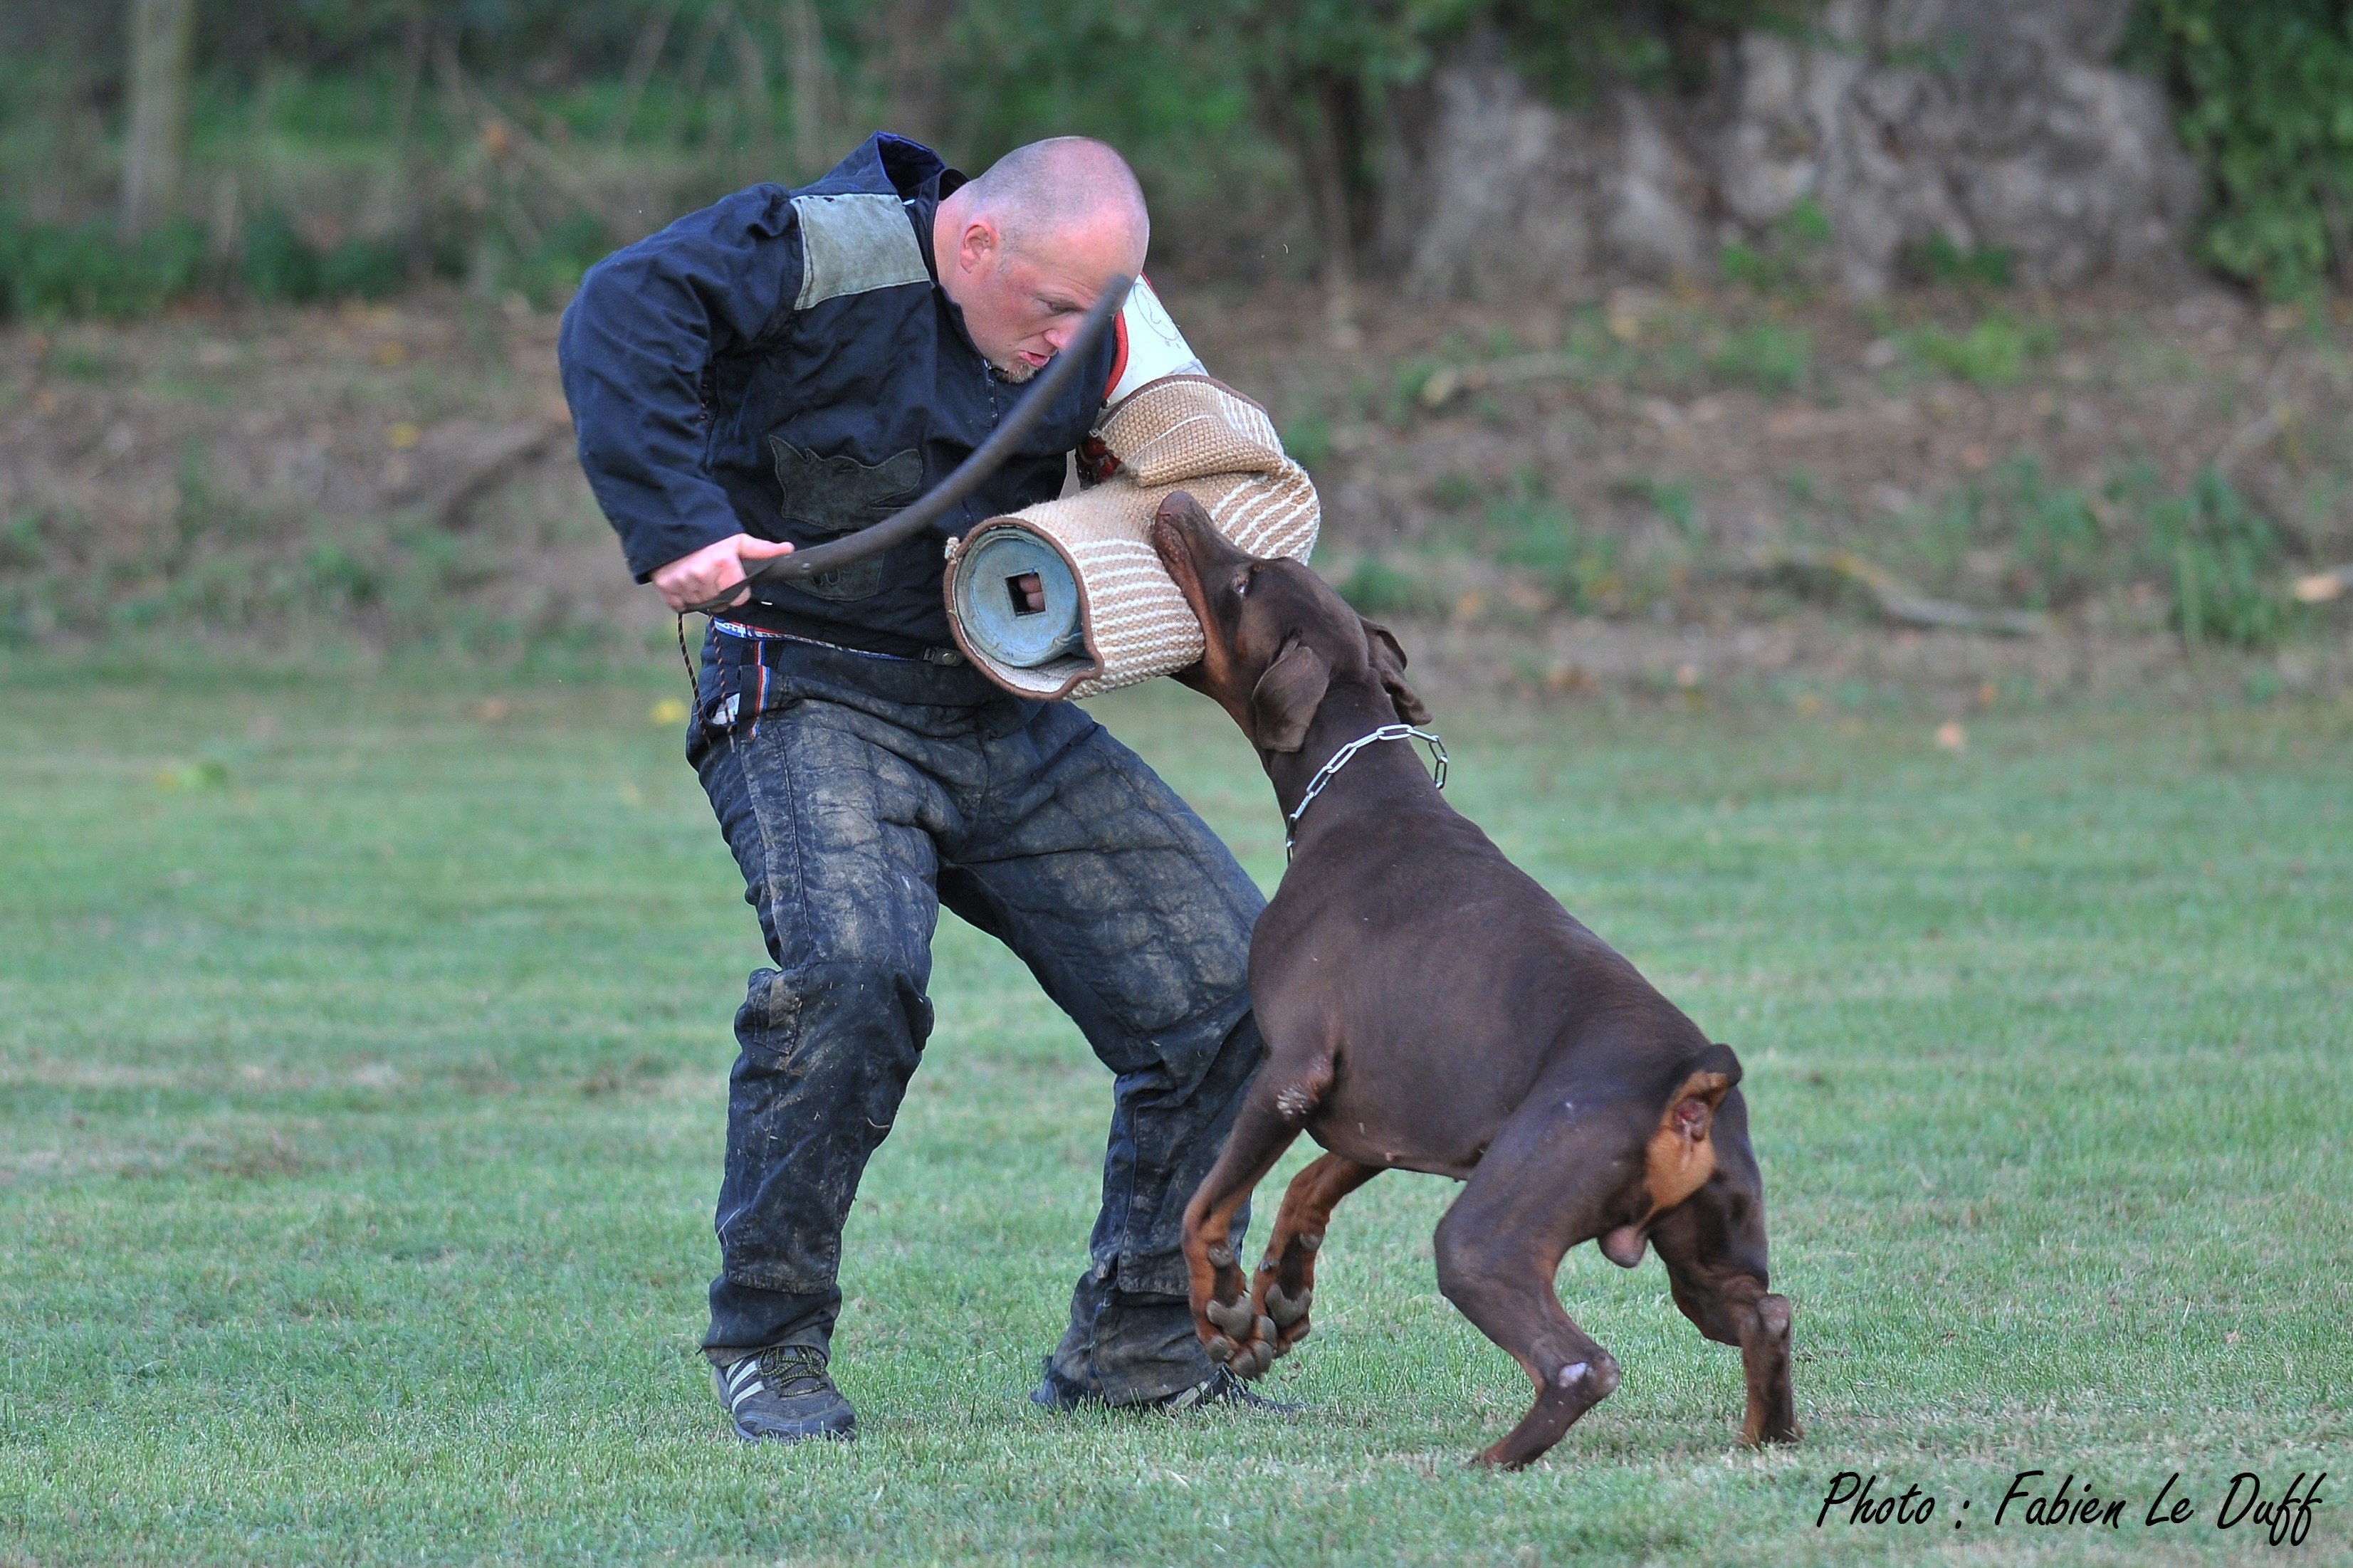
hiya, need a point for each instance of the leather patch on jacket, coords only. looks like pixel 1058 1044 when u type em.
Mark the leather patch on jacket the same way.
pixel 832 496
pixel 855 242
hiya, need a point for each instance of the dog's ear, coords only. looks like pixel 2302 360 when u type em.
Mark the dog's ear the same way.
pixel 1286 696
pixel 1389 663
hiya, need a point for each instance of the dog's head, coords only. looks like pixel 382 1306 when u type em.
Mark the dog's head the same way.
pixel 1279 638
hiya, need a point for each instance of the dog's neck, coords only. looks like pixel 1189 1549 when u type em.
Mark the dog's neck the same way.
pixel 1347 713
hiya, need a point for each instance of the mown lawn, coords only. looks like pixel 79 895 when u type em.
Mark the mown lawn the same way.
pixel 362 1057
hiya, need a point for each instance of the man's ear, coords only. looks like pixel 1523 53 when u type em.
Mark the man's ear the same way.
pixel 1389 663
pixel 1284 701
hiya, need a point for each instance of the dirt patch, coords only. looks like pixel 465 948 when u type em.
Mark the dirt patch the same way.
pixel 1552 499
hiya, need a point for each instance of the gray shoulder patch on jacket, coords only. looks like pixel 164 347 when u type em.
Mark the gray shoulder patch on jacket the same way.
pixel 852 243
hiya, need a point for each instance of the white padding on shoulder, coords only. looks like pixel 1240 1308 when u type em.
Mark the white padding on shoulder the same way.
pixel 1150 344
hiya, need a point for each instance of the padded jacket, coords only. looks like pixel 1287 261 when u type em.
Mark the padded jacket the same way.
pixel 784 364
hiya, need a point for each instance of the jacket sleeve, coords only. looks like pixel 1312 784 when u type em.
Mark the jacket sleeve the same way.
pixel 636 349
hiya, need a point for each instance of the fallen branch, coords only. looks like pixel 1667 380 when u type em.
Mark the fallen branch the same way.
pixel 1896 600
pixel 2252 436
pixel 481 466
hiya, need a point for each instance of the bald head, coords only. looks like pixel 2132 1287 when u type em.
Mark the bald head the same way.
pixel 1024 250
pixel 1066 191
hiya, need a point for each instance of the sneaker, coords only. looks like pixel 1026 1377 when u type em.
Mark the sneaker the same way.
pixel 782 1395
pixel 1220 1388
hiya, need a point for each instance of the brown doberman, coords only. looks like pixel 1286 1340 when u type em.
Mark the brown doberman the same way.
pixel 1427 1007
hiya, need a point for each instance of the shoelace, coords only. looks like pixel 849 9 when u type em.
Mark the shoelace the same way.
pixel 792 1369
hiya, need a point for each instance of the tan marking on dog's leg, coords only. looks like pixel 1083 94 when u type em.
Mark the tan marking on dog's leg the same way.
pixel 1227 1321
pixel 1285 1288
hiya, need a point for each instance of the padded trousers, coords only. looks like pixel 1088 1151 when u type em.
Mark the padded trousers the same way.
pixel 860 793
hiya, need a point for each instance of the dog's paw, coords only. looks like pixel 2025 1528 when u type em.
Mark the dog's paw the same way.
pixel 1288 1314
pixel 1244 1343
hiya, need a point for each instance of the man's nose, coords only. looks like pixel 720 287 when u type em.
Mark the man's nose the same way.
pixel 1057 338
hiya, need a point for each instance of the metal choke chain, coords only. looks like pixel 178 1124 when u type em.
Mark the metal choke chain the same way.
pixel 1340 758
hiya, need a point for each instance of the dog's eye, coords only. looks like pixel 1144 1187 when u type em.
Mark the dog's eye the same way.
pixel 1241 584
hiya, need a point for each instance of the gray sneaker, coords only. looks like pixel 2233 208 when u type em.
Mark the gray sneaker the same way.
pixel 782 1395
pixel 1221 1388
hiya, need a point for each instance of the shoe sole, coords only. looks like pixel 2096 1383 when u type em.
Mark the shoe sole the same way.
pixel 819 1434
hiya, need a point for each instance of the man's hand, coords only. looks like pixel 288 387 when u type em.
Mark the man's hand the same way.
pixel 711 571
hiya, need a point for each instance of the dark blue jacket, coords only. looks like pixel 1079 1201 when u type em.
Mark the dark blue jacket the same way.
pixel 784 364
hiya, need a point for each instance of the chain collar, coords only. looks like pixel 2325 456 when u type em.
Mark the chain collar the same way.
pixel 1324 774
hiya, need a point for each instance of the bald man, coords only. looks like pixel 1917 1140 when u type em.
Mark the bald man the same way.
pixel 788 365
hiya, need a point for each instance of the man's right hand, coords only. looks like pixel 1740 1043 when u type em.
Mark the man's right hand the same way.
pixel 709 571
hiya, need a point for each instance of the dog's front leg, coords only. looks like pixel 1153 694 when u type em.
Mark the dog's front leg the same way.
pixel 1286 1280
pixel 1231 1327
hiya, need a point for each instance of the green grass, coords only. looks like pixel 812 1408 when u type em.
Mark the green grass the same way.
pixel 362 1055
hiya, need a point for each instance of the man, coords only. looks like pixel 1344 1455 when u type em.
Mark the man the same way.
pixel 789 366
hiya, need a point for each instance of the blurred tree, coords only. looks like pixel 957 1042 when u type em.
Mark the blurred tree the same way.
pixel 919 83
pixel 155 149
pixel 810 74
pixel 1318 69
pixel 2264 95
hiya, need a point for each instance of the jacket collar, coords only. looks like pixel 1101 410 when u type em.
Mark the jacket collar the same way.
pixel 882 163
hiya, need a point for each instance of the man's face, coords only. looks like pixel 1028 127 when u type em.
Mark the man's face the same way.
pixel 1022 306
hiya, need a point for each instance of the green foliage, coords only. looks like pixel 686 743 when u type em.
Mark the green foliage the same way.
pixel 2264 91
pixel 1377 586
pixel 1670 499
pixel 1993 353
pixel 1307 440
pixel 49 271
pixel 2056 543
pixel 2225 565
pixel 1771 357
pixel 1788 258
pixel 1939 260
pixel 279 267
pixel 61 271
pixel 1579 565
pixel 550 270
pixel 2050 537
pixel 1567 48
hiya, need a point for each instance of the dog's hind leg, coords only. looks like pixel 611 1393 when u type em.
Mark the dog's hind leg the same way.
pixel 1286 1280
pixel 1536 1193
pixel 1231 1327
pixel 1713 1247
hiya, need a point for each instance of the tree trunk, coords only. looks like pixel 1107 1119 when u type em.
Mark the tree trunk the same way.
pixel 155 152
pixel 1325 130
pixel 915 85
pixel 811 77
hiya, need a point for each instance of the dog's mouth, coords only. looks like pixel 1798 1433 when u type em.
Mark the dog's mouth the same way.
pixel 1181 536
pixel 1172 540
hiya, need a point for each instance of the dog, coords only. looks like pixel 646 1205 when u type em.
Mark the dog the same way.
pixel 1427 1007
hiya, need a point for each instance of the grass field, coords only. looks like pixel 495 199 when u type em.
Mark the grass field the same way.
pixel 362 1055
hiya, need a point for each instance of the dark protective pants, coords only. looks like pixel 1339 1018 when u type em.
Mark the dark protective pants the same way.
pixel 859 794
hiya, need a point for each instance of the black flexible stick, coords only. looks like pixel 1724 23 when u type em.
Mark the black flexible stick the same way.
pixel 868 542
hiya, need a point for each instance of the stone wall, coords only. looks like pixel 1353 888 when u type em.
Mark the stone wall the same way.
pixel 1991 123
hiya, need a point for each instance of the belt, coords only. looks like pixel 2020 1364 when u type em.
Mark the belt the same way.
pixel 941 655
